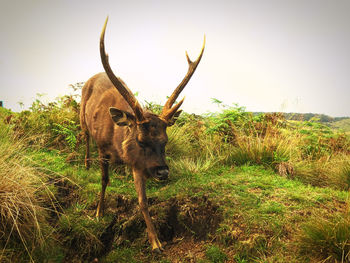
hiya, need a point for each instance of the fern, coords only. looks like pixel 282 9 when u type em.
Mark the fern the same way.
pixel 68 131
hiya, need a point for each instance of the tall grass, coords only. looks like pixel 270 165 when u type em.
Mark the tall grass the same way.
pixel 24 199
pixel 326 239
pixel 307 151
pixel 262 140
pixel 329 171
pixel 268 150
pixel 191 149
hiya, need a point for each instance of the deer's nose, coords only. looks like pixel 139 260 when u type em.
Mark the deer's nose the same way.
pixel 162 173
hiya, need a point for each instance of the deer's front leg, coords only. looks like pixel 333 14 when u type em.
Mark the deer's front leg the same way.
pixel 140 185
pixel 104 159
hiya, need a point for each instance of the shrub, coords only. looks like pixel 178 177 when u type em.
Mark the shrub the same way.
pixel 57 123
pixel 319 140
pixel 228 122
pixel 253 139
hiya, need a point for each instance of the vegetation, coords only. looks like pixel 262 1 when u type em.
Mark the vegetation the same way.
pixel 26 201
pixel 311 116
pixel 343 124
pixel 243 188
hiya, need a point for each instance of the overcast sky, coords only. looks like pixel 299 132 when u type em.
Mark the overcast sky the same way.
pixel 291 56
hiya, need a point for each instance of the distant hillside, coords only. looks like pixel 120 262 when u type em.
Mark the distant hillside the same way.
pixel 343 124
pixel 340 123
pixel 308 116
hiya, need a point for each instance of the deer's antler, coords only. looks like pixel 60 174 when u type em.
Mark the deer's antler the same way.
pixel 123 89
pixel 168 109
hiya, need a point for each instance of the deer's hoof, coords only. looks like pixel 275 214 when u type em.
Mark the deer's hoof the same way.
pixel 158 250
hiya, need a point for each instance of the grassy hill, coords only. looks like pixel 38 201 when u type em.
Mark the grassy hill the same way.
pixel 242 188
pixel 307 116
pixel 343 124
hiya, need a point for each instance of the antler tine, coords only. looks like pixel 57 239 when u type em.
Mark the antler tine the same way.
pixel 123 90
pixel 191 69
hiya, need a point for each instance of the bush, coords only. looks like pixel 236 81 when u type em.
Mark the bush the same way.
pixel 319 141
pixel 270 150
pixel 253 139
pixel 53 125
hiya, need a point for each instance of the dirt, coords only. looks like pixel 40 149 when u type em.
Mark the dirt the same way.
pixel 184 225
pixel 185 250
pixel 66 194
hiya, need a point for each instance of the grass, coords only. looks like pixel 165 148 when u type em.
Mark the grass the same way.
pixel 260 209
pixel 26 199
pixel 268 150
pixel 242 189
pixel 325 172
pixel 341 125
pixel 326 239
pixel 214 254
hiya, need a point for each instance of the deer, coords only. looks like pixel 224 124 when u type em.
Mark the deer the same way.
pixel 126 133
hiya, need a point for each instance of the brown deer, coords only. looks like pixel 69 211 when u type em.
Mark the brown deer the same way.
pixel 126 133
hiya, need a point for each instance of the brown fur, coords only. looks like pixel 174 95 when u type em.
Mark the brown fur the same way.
pixel 119 143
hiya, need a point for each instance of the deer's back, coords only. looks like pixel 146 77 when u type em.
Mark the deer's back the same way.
pixel 98 95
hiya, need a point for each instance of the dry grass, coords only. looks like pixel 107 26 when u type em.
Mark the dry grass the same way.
pixel 192 150
pixel 24 198
pixel 270 149
pixel 326 239
pixel 329 171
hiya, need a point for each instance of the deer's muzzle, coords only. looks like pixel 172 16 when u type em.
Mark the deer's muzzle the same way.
pixel 161 173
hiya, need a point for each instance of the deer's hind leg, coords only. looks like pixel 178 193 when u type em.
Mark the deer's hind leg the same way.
pixel 87 153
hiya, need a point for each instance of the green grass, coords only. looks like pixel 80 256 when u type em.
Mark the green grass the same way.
pixel 242 188
pixel 260 209
pixel 123 255
pixel 215 255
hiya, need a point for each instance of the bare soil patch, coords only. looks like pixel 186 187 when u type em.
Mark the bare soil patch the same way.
pixel 183 225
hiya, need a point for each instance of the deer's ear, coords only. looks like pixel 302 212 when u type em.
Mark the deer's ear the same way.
pixel 121 118
pixel 174 118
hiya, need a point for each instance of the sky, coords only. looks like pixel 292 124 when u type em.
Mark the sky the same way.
pixel 265 55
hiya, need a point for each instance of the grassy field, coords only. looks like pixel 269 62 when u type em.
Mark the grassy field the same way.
pixel 242 188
